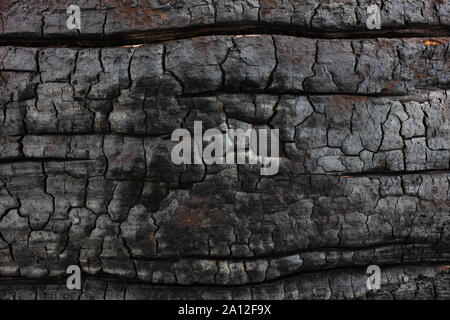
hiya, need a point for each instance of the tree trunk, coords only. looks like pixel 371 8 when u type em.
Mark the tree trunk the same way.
pixel 86 176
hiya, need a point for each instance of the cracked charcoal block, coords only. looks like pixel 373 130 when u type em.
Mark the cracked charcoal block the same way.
pixel 411 282
pixel 86 176
pixel 100 18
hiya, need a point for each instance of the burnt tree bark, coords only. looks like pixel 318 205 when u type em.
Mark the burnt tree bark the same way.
pixel 86 176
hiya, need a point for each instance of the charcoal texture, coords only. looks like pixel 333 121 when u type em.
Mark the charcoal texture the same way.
pixel 86 176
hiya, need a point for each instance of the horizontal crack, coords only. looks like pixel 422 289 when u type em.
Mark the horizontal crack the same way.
pixel 289 92
pixel 393 173
pixel 130 281
pixel 272 256
pixel 33 159
pixel 135 38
